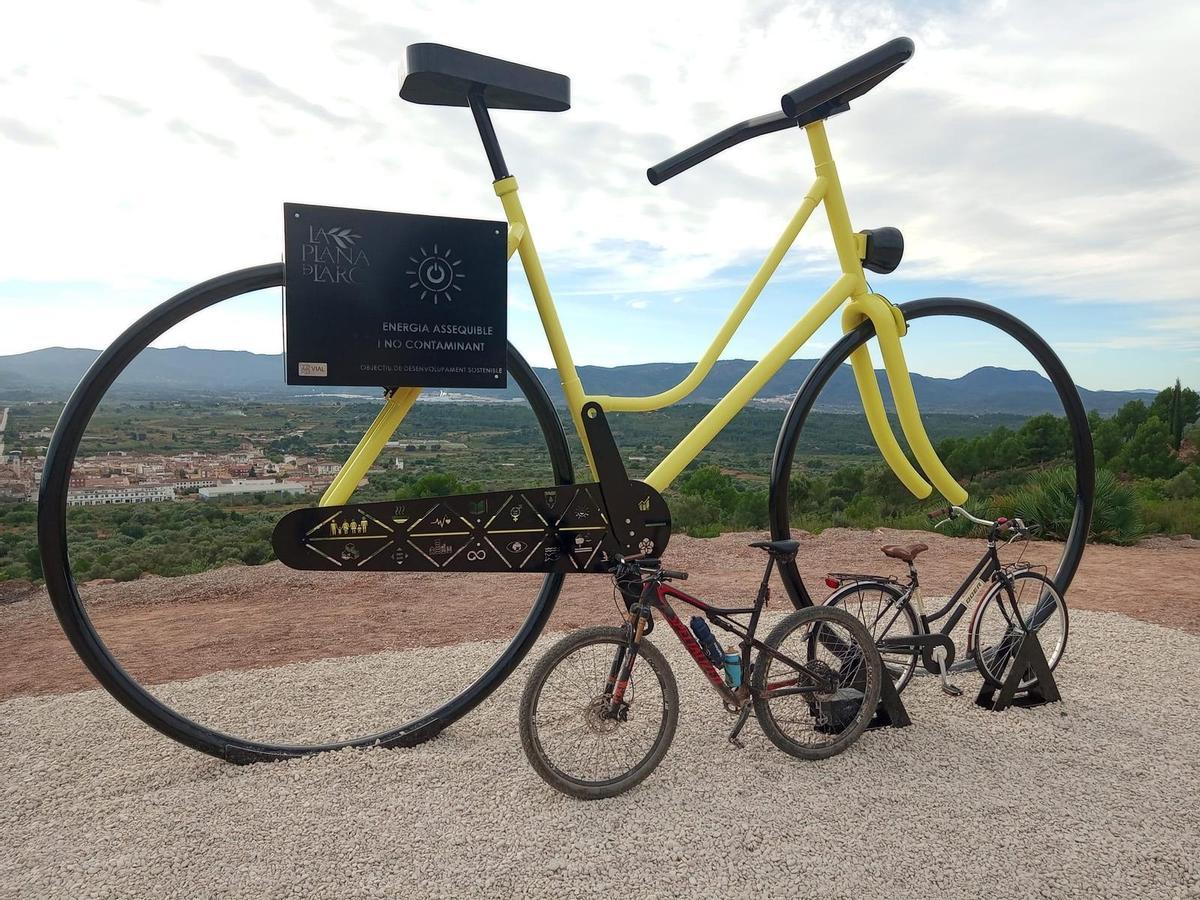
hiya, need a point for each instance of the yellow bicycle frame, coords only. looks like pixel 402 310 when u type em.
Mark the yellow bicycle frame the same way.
pixel 850 288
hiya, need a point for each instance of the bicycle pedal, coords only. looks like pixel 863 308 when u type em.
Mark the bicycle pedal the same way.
pixel 949 689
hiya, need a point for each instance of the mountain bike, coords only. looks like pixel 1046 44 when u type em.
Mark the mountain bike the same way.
pixel 442 549
pixel 1016 600
pixel 592 730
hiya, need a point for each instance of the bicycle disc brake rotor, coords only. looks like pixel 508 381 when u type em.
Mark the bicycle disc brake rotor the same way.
pixel 597 719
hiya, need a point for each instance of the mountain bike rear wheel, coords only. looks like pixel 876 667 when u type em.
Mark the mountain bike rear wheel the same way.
pixel 224 705
pixel 877 605
pixel 821 709
pixel 920 313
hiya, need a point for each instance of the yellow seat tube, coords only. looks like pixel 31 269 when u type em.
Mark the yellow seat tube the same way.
pixel 880 313
pixel 369 447
pixel 881 428
pixel 506 190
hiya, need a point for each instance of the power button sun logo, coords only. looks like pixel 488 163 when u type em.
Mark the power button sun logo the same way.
pixel 436 275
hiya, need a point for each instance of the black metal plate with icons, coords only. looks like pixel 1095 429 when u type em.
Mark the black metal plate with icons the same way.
pixel 552 529
pixel 393 300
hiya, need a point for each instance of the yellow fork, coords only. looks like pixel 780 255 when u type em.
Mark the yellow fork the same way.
pixel 889 327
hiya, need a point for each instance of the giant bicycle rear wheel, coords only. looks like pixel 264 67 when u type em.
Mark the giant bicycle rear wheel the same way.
pixel 919 314
pixel 330 671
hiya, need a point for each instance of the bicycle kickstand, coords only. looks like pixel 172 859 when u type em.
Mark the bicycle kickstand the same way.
pixel 739 725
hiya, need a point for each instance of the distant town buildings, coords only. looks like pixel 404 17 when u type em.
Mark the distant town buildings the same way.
pixel 121 477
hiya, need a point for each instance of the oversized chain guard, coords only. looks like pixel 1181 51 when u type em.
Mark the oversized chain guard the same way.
pixel 562 528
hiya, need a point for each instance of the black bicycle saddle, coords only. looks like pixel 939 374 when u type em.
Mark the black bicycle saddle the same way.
pixel 438 75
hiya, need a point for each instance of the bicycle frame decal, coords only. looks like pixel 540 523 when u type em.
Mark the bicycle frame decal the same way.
pixel 850 289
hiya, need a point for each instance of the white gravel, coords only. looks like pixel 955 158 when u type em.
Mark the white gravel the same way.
pixel 1096 797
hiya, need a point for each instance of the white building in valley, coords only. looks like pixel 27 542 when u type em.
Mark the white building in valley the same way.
pixel 134 493
pixel 252 486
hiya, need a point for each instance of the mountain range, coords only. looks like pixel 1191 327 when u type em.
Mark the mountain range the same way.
pixel 52 373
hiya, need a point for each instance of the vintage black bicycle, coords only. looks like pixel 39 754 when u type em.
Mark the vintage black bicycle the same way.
pixel 600 708
pixel 1017 599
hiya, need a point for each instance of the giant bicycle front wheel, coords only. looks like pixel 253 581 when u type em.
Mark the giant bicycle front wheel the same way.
pixel 253 664
pixel 935 314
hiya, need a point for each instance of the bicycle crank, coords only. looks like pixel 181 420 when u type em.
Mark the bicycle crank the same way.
pixel 562 528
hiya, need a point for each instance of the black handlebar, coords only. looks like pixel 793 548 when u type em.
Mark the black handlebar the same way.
pixel 853 79
pixel 722 140
pixel 819 99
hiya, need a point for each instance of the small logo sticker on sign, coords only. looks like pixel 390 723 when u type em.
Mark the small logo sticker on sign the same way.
pixel 313 370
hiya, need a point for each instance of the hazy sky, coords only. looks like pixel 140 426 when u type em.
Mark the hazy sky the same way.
pixel 1042 156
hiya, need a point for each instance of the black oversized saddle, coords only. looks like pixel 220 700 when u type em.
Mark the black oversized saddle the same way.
pixel 444 76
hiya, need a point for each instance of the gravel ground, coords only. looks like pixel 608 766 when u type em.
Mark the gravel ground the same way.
pixel 1096 797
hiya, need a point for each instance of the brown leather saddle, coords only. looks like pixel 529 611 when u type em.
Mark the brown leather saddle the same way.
pixel 908 554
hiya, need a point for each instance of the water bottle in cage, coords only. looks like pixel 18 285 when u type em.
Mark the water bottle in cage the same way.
pixel 708 641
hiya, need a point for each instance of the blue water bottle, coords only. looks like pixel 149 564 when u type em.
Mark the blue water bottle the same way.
pixel 733 667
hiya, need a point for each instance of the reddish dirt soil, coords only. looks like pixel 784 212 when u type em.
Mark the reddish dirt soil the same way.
pixel 243 618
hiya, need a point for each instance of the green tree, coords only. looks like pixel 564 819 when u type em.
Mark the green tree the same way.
pixel 1185 485
pixel 1046 437
pixel 1107 441
pixel 847 482
pixel 33 562
pixel 1130 416
pixel 1148 453
pixel 1178 407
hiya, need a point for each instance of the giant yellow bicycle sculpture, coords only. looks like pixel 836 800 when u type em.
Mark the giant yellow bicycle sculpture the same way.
pixel 610 515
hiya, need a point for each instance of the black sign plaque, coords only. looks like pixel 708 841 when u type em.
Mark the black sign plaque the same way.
pixel 392 299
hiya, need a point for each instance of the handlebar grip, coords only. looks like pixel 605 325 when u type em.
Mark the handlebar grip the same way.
pixel 722 140
pixel 938 514
pixel 671 573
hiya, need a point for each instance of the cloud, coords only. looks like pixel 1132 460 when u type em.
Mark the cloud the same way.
pixel 637 303
pixel 125 104
pixel 23 134
pixel 187 132
pixel 253 83
pixel 1016 163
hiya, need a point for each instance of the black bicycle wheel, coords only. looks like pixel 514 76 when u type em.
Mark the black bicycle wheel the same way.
pixel 915 312
pixel 1027 602
pixel 568 738
pixel 820 710
pixel 159 706
pixel 877 605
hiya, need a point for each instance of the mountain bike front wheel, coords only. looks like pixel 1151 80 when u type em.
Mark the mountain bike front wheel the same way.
pixel 251 664
pixel 949 320
pixel 1025 602
pixel 572 737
